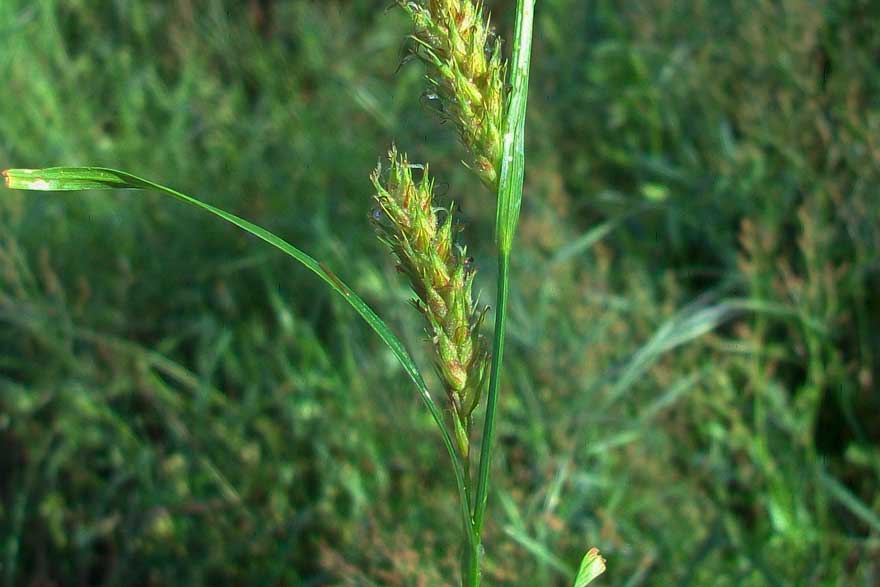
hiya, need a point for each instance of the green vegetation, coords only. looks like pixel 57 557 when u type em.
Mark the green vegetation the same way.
pixel 693 339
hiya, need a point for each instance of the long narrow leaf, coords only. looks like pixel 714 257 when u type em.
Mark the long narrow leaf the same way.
pixel 95 178
pixel 99 178
pixel 510 181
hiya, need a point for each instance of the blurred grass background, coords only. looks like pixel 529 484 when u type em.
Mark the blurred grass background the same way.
pixel 695 329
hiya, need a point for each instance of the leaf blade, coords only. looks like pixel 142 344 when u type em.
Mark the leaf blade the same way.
pixel 102 178
pixel 510 181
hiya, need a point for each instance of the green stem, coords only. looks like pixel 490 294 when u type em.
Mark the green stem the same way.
pixel 494 388
pixel 510 187
pixel 471 576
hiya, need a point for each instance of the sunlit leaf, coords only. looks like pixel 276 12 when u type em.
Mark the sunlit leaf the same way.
pixel 592 566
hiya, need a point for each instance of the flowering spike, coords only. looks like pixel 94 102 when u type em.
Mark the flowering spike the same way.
pixel 466 71
pixel 441 275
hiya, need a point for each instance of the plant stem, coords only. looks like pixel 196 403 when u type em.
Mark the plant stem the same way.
pixel 471 576
pixel 494 388
pixel 475 546
pixel 510 187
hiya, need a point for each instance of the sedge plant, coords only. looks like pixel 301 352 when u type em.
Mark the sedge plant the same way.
pixel 486 97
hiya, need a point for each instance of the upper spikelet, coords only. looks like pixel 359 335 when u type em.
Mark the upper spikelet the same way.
pixel 442 277
pixel 466 70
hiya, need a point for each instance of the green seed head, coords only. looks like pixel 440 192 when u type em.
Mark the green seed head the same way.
pixel 466 71
pixel 441 275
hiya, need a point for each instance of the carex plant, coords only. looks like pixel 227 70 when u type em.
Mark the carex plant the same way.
pixel 485 96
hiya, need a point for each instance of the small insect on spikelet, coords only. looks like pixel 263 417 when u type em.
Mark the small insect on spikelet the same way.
pixel 442 277
pixel 467 72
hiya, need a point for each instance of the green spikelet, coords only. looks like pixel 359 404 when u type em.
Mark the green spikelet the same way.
pixel 467 72
pixel 442 277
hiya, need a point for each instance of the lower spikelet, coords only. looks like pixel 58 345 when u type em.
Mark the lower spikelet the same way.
pixel 442 276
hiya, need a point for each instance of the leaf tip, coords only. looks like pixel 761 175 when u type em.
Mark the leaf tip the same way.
pixel 597 558
pixel 592 566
